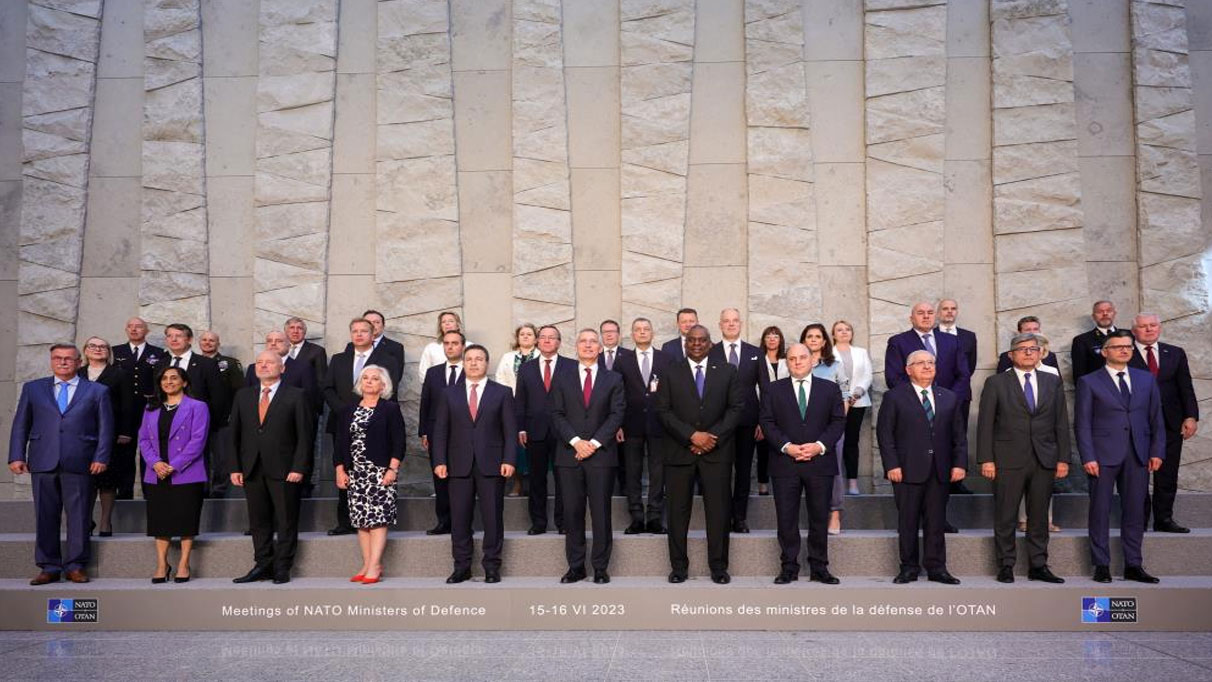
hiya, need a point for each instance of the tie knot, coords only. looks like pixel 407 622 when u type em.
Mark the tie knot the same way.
pixel 925 394
pixel 1149 347
pixel 1120 374
pixel 1027 376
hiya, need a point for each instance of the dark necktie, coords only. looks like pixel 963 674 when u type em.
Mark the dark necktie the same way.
pixel 733 359
pixel 699 381
pixel 176 361
pixel 453 372
pixel 1028 392
pixel 547 375
pixel 927 406
pixel 1151 360
pixel 1125 393
pixel 588 391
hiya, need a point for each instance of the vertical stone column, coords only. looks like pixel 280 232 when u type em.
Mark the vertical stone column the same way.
pixel 1040 248
pixel 292 182
pixel 61 48
pixel 784 282
pixel 656 75
pixel 174 283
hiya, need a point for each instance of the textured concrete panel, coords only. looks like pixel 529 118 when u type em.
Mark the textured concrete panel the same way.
pixel 351 234
pixel 480 34
pixel 719 27
pixel 485 224
pixel 348 295
pixel 121 41
pixel 717 113
pixel 118 109
pixel 593 122
pixel 356 36
pixel 231 227
pixel 715 215
pixel 1100 25
pixel 105 305
pixel 230 139
pixel 231 298
pixel 230 39
pixel 1103 86
pixel 111 229
pixel 833 30
pixel 12 41
pixel 597 297
pixel 835 95
pixel 711 289
pixel 482 121
pixel 353 145
pixel 590 27
pixel 595 219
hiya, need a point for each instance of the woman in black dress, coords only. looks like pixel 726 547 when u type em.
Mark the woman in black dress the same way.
pixel 172 440
pixel 99 367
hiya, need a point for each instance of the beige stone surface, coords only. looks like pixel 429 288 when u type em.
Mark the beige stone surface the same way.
pixel 711 289
pixel 354 138
pixel 833 30
pixel 105 305
pixel 591 30
pixel 231 298
pixel 487 312
pixel 346 297
pixel 111 229
pixel 10 214
pixel 598 297
pixel 719 31
pixel 13 19
pixel 717 130
pixel 480 34
pixel 482 120
pixel 841 213
pixel 1103 87
pixel 230 39
pixel 357 27
pixel 593 119
pixel 835 98
pixel 118 111
pixel 1109 208
pixel 968 121
pixel 715 215
pixel 351 232
pixel 595 219
pixel 230 106
pixel 967 217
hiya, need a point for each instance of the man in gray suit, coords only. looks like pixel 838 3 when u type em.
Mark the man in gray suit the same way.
pixel 1023 444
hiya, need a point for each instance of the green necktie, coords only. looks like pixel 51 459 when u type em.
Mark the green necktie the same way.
pixel 803 400
pixel 926 404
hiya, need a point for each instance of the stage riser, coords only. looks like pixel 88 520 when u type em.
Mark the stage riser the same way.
pixel 757 554
pixel 865 512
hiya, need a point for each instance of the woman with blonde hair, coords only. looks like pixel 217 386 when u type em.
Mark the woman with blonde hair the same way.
pixel 856 364
pixel 448 321
pixel 524 347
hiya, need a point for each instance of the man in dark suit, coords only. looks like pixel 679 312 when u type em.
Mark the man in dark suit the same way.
pixel 389 346
pixel 1027 325
pixel 339 380
pixel 473 449
pixel 137 358
pixel 948 312
pixel 1168 365
pixel 746 358
pixel 302 350
pixel 676 348
pixel 612 352
pixel 535 379
pixel 1086 351
pixel 1022 446
pixel 1121 437
pixel 699 402
pixel 296 373
pixel 800 414
pixel 272 429
pixel 231 379
pixel 642 431
pixel 205 383
pixel 924 446
pixel 437 379
pixel 587 408
pixel 62 434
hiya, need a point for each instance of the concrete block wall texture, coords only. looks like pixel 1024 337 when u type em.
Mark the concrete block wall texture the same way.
pixel 229 163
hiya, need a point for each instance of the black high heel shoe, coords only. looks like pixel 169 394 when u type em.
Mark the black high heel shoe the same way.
pixel 157 581
pixel 182 578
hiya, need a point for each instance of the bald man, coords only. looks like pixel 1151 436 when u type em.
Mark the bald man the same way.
pixel 138 359
pixel 297 373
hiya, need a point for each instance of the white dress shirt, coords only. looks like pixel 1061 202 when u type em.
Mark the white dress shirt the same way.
pixel 795 391
pixel 184 358
pixel 1115 376
pixel 273 390
pixel 917 390
pixel 1140 348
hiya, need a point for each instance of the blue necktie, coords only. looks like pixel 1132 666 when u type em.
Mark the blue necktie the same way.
pixel 732 356
pixel 1124 392
pixel 929 344
pixel 63 386
pixel 1028 392
pixel 699 381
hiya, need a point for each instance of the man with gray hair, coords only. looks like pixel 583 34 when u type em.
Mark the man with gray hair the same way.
pixel 1022 445
pixel 303 350
pixel 294 372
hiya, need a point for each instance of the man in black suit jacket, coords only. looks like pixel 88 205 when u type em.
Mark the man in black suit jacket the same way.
pixel 297 373
pixel 231 379
pixel 747 359
pixel 1027 325
pixel 302 350
pixel 612 352
pixel 1022 445
pixel 800 414
pixel 1168 365
pixel 535 379
pixel 699 402
pixel 389 346
pixel 924 446
pixel 586 413
pixel 437 379
pixel 137 358
pixel 271 440
pixel 642 431
pixel 339 381
pixel 675 348
pixel 473 449
pixel 948 311
pixel 204 379
pixel 1086 353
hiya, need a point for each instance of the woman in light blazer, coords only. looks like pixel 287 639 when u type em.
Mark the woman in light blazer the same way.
pixel 171 440
pixel 448 321
pixel 857 364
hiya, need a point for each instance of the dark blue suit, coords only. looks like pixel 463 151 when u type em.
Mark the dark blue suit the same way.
pixel 1178 404
pixel 534 417
pixel 750 365
pixel 473 452
pixel 674 349
pixel 951 365
pixel 925 451
pixel 824 420
pixel 1122 438
pixel 437 379
pixel 642 431
pixel 58 449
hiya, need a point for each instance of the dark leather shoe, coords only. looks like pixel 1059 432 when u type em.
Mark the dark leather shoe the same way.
pixel 656 528
pixel 44 578
pixel 339 530
pixel 601 578
pixel 283 578
pixel 1102 574
pixel 492 576
pixel 635 528
pixel 943 577
pixel 110 533
pixel 904 577
pixel 1044 574
pixel 535 530
pixel 823 576
pixel 560 530
pixel 721 578
pixel 785 577
pixel 459 576
pixel 248 531
pixel 573 576
pixel 740 526
pixel 677 578
pixel 1005 574
pixel 257 574
pixel 1169 526
pixel 958 488
pixel 77 576
pixel 438 530
pixel 1135 573
pixel 948 528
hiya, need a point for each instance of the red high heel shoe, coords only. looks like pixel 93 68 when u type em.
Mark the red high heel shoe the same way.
pixel 357 578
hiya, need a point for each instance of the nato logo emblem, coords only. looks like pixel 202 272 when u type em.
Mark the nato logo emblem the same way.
pixel 1108 609
pixel 71 610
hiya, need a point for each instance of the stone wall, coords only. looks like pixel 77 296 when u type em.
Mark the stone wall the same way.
pixel 232 162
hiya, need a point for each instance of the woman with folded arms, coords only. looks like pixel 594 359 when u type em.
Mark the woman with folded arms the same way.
pixel 856 363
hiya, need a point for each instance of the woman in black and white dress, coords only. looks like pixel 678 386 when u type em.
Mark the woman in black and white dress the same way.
pixel 369 446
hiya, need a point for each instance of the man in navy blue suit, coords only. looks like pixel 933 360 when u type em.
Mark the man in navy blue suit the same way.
pixel 437 379
pixel 642 431
pixel 800 414
pixel 1121 437
pixel 472 448
pixel 62 433
pixel 747 359
pixel 535 379
pixel 675 348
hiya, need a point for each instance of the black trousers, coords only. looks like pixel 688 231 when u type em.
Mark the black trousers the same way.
pixel 578 484
pixel 1165 479
pixel 922 506
pixel 763 461
pixel 1009 488
pixel 467 492
pixel 541 453
pixel 637 449
pixel 441 500
pixel 273 510
pixel 742 464
pixel 817 491
pixel 715 485
pixel 850 446
pixel 122 469
pixel 216 457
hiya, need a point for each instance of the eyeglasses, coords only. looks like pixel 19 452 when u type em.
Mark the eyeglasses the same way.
pixel 1118 347
pixel 1027 349
pixel 96 346
pixel 927 363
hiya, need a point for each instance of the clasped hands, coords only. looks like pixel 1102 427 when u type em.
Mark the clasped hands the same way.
pixel 989 470
pixel 804 451
pixel 163 470
pixel 702 442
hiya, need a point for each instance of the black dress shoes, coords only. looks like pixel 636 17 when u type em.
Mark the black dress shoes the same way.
pixel 339 530
pixel 943 577
pixel 1167 526
pixel 635 528
pixel 601 578
pixel 905 577
pixel 1043 574
pixel 1102 574
pixel 492 576
pixel 740 526
pixel 1005 574
pixel 459 576
pixel 438 530
pixel 257 574
pixel 948 528
pixel 823 576
pixel 535 530
pixel 282 578
pixel 1138 574
pixel 656 528
pixel 573 576
pixel 560 530
pixel 677 578
pixel 721 578
pixel 785 577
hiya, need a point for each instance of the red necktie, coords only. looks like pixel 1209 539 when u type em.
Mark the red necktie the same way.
pixel 1151 360
pixel 588 386
pixel 473 403
pixel 547 375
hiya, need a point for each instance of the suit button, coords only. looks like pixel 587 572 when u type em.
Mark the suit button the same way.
pixel 930 452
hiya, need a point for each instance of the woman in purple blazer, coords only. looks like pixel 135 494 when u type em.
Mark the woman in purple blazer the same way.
pixel 171 439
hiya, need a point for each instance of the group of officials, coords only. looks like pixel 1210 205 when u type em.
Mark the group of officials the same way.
pixel 691 411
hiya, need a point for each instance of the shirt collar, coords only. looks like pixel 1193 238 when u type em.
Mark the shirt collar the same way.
pixel 74 381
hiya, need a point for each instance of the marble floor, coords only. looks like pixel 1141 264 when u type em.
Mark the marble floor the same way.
pixel 578 655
